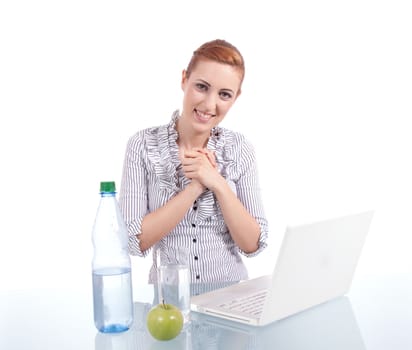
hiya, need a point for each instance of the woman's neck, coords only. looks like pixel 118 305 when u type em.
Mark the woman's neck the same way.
pixel 188 143
pixel 187 139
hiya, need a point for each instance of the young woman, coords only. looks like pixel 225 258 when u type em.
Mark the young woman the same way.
pixel 193 184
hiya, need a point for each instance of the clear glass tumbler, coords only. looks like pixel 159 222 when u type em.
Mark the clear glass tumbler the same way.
pixel 174 281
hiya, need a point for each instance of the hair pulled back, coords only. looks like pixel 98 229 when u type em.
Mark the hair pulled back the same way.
pixel 219 51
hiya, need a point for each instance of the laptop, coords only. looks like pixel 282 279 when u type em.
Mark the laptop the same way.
pixel 316 263
pixel 330 325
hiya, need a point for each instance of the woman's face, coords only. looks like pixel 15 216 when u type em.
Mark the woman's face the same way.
pixel 209 92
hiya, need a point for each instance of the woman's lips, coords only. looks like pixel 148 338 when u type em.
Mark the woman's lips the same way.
pixel 202 116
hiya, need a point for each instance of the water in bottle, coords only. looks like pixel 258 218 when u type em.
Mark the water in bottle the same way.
pixel 112 285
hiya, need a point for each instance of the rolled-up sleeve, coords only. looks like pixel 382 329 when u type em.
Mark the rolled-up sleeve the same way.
pixel 133 193
pixel 249 193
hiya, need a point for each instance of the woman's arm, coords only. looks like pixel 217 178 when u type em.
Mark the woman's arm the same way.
pixel 160 222
pixel 147 228
pixel 242 226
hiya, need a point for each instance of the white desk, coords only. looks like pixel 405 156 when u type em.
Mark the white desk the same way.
pixel 376 315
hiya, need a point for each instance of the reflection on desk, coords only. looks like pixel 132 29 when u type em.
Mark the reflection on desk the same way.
pixel 62 318
pixel 331 325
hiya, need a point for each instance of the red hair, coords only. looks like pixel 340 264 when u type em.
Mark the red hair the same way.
pixel 219 51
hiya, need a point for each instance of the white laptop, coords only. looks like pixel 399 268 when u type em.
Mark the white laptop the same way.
pixel 316 263
pixel 331 325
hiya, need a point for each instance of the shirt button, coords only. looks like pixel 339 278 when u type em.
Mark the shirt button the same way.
pixel 197 277
pixel 193 225
pixel 194 207
pixel 194 240
pixel 196 258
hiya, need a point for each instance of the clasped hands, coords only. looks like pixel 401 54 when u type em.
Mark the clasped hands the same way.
pixel 199 165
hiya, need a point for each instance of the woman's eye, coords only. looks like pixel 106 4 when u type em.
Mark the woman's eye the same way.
pixel 226 95
pixel 201 87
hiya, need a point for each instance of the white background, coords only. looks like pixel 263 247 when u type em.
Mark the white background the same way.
pixel 326 101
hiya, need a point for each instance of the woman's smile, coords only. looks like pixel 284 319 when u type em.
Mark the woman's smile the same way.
pixel 203 117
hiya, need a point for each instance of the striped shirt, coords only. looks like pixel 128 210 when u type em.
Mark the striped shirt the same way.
pixel 152 175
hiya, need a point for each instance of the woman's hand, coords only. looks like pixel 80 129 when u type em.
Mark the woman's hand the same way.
pixel 209 154
pixel 199 164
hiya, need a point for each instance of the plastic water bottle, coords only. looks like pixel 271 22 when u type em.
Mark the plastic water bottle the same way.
pixel 112 284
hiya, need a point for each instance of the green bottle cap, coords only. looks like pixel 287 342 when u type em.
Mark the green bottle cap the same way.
pixel 108 186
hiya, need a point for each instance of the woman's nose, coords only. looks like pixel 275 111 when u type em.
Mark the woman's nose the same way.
pixel 210 102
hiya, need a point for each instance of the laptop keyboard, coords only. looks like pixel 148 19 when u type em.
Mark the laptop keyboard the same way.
pixel 251 304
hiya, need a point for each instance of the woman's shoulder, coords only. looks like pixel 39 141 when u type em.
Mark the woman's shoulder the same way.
pixel 235 139
pixel 155 135
pixel 148 132
pixel 146 136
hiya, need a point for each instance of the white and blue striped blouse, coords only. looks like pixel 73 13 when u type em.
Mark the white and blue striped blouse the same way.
pixel 152 176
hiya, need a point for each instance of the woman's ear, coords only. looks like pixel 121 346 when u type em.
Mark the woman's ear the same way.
pixel 184 79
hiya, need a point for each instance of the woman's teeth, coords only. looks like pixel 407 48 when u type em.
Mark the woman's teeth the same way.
pixel 204 116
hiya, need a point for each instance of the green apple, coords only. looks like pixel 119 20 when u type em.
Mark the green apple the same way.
pixel 164 321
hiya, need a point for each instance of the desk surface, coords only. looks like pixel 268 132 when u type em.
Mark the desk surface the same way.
pixel 376 314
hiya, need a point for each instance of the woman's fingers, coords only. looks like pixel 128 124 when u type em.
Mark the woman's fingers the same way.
pixel 210 155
